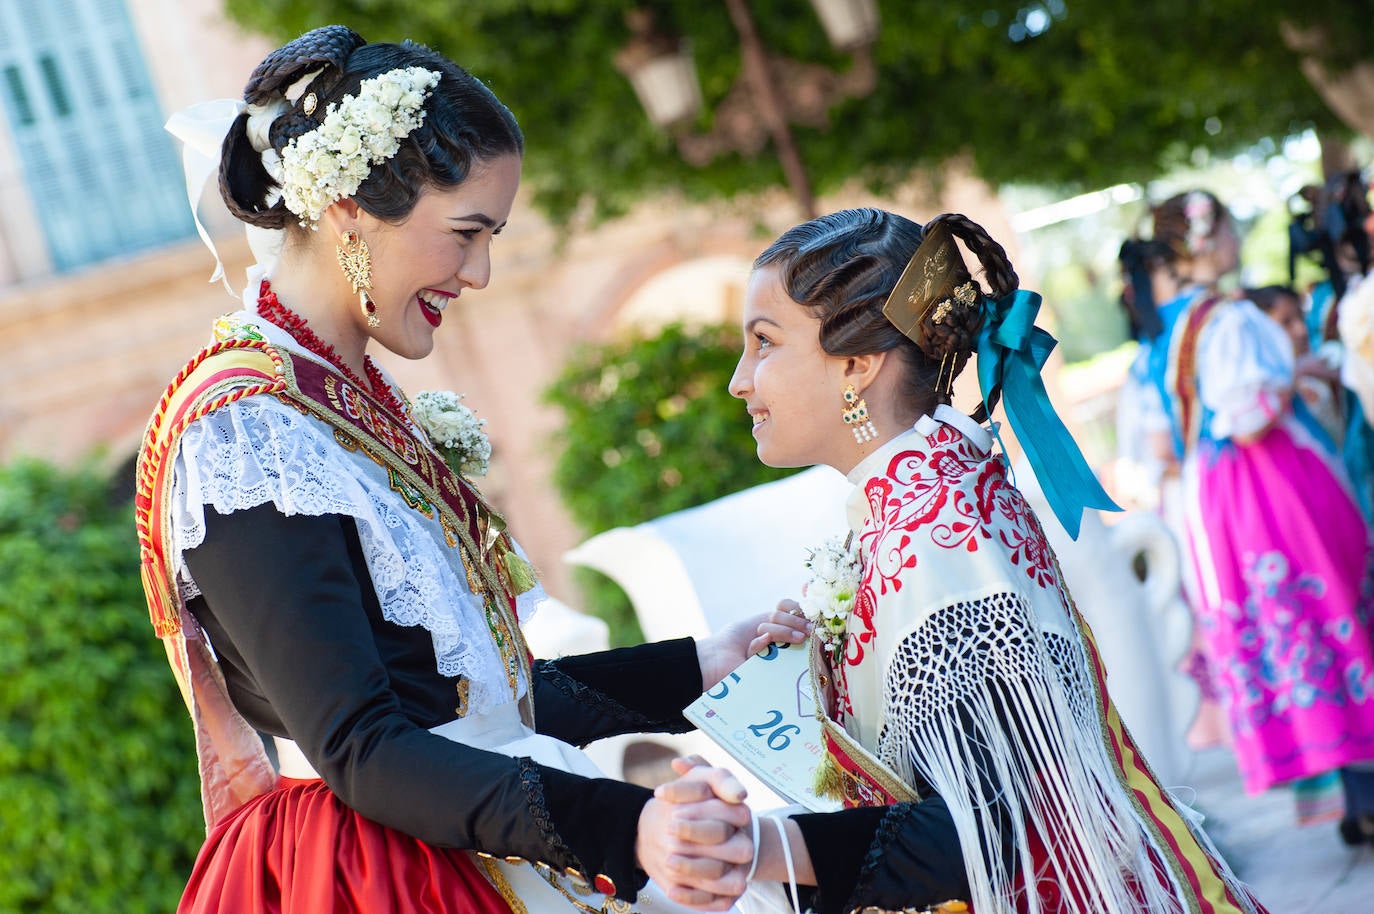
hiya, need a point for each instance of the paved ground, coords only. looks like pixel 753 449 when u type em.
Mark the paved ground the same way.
pixel 1292 870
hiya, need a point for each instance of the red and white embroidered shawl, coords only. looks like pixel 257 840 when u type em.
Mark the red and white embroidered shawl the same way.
pixel 966 664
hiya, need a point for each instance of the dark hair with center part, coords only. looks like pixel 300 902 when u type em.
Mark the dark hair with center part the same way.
pixel 465 124
pixel 843 266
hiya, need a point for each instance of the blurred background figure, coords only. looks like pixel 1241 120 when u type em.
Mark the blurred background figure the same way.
pixel 1278 545
pixel 1192 245
pixel 1330 226
pixel 1316 375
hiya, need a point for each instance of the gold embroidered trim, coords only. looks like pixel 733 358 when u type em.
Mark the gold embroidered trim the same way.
pixel 462 688
pixel 502 884
pixel 484 578
pixel 832 773
pixel 218 375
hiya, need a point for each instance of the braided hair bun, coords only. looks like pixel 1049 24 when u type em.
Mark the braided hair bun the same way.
pixel 948 332
pixel 464 123
pixel 248 190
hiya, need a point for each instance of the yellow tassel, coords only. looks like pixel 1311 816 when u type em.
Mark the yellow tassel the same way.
pixel 519 572
pixel 830 778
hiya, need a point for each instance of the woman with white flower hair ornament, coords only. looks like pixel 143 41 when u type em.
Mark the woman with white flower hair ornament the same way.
pixel 966 726
pixel 327 579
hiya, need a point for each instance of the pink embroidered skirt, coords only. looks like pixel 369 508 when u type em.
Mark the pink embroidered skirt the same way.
pixel 1282 555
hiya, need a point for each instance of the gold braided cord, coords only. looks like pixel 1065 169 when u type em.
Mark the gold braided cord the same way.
pixel 502 884
pixel 245 360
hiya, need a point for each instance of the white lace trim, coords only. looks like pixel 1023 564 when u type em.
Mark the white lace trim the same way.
pixel 259 450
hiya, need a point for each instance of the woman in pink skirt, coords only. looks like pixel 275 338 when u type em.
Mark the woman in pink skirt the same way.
pixel 1279 547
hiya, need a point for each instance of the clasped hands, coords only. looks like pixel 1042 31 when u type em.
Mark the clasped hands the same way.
pixel 695 836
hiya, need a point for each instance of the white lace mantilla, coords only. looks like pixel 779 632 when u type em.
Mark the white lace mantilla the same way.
pixel 259 450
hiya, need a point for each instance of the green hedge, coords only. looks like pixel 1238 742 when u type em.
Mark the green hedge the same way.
pixel 650 428
pixel 98 788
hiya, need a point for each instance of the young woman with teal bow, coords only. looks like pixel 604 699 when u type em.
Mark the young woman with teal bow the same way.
pixel 967 727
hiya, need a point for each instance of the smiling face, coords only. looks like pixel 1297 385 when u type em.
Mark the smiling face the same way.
pixel 790 386
pixel 443 247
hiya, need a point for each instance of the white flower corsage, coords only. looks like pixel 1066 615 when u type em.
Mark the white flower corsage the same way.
pixel 454 429
pixel 829 595
pixel 330 162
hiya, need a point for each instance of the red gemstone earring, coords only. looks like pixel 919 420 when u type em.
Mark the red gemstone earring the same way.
pixel 356 262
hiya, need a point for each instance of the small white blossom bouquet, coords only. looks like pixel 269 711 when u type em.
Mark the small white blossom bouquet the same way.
pixel 454 429
pixel 330 162
pixel 829 595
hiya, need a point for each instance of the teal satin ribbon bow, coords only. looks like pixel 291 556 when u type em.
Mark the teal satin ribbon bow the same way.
pixel 1011 352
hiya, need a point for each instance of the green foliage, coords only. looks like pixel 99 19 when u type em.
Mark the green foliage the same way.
pixel 1074 93
pixel 97 767
pixel 650 428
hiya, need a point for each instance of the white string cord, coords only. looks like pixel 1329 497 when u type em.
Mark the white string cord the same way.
pixel 753 864
pixel 780 822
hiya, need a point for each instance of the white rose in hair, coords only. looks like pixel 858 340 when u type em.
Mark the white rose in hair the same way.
pixel 359 131
pixel 390 94
pixel 350 142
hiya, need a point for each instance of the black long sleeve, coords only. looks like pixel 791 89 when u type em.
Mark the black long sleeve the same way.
pixel 640 689
pixel 890 857
pixel 297 629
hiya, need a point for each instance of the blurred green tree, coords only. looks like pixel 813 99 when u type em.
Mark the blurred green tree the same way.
pixel 1074 94
pixel 97 766
pixel 649 428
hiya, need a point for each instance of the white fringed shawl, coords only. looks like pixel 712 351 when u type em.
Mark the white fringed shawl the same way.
pixel 965 668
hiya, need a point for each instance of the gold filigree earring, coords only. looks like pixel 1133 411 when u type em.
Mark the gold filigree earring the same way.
pixel 855 415
pixel 356 262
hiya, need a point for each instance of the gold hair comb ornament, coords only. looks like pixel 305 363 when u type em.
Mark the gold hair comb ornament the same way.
pixel 929 282
pixel 965 296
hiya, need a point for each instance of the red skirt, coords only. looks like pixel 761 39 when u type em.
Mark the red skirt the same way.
pixel 299 850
